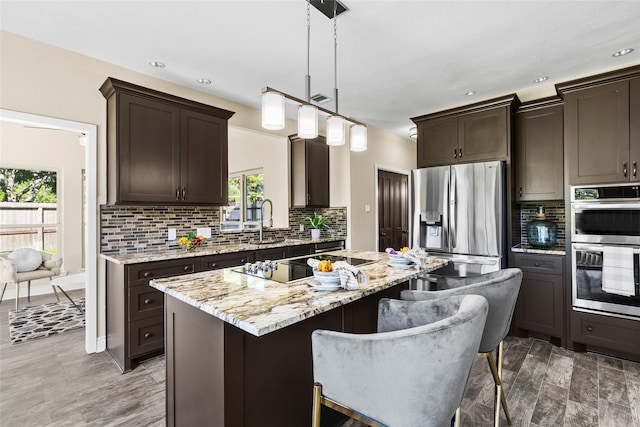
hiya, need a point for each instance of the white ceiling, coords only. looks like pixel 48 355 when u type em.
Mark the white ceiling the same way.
pixel 396 59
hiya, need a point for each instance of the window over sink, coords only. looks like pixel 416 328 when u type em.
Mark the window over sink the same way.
pixel 246 194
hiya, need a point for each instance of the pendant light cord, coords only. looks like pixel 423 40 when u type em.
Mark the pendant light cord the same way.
pixel 307 78
pixel 335 52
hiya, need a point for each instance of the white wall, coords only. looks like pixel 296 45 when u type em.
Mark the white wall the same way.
pixel 42 149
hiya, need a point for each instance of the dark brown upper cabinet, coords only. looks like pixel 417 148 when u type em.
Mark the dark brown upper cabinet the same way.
pixel 539 148
pixel 309 172
pixel 602 127
pixel 162 149
pixel 473 133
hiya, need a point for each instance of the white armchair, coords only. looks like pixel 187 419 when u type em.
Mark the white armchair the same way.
pixel 50 267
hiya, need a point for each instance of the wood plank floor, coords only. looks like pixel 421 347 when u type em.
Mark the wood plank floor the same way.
pixel 53 382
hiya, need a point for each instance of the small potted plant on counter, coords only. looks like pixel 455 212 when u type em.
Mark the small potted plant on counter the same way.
pixel 317 223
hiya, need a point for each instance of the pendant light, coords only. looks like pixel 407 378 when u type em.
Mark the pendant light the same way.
pixel 272 111
pixel 273 103
pixel 335 124
pixel 308 114
pixel 358 138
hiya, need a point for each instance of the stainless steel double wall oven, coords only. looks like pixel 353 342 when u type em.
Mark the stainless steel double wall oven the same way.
pixel 605 220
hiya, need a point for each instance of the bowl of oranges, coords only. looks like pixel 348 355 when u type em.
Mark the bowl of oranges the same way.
pixel 325 274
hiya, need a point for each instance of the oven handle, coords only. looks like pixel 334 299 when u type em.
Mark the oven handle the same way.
pixel 579 207
pixel 582 246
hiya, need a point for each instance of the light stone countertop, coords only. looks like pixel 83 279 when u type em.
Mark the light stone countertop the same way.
pixel 260 306
pixel 180 253
pixel 528 249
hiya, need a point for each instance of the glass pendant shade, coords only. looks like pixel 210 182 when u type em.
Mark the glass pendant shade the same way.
pixel 272 111
pixel 307 122
pixel 335 130
pixel 358 138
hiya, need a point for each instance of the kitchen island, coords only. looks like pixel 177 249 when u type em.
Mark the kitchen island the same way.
pixel 238 348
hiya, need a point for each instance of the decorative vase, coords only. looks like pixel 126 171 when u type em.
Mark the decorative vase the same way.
pixel 540 231
pixel 315 234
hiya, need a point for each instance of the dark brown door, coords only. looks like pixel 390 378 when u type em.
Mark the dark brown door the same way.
pixel 597 134
pixel 393 210
pixel 203 158
pixel 149 150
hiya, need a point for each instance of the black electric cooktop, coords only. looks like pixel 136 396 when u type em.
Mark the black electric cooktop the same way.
pixel 292 269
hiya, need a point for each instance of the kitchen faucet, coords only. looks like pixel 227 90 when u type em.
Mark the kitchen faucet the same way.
pixel 270 224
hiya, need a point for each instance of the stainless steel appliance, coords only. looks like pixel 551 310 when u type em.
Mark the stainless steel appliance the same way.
pixel 605 230
pixel 292 269
pixel 459 213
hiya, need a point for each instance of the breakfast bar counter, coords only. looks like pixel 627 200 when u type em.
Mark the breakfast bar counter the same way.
pixel 238 347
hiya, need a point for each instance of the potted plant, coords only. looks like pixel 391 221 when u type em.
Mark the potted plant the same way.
pixel 317 223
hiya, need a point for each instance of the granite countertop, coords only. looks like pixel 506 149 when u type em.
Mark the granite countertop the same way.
pixel 554 250
pixel 179 253
pixel 260 306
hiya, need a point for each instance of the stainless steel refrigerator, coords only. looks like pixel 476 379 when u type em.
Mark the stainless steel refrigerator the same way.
pixel 459 213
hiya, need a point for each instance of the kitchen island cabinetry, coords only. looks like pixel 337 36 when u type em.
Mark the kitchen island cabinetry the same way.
pixel 309 172
pixel 473 133
pixel 539 151
pixel 231 363
pixel 164 149
pixel 540 305
pixel 602 127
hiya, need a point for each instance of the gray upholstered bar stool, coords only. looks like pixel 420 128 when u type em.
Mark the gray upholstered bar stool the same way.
pixel 374 378
pixel 501 290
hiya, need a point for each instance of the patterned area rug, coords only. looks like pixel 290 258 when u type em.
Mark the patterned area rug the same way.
pixel 44 320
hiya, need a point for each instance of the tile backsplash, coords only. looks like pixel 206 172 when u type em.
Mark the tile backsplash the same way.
pixel 555 212
pixel 130 229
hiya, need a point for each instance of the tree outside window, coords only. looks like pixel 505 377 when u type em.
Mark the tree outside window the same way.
pixel 28 209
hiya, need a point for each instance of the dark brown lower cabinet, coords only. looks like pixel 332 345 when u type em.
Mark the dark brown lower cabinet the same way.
pixel 540 306
pixel 219 375
pixel 606 334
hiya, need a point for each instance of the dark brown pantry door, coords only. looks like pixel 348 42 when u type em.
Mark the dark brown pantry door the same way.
pixel 393 208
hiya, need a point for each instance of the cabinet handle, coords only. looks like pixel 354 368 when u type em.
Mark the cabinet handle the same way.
pixel 147 335
pixel 187 268
pixel 635 169
pixel 212 265
pixel 184 193
pixel 146 274
pixel 147 301
pixel 243 260
pixel 460 153
pixel 624 169
pixel 590 328
pixel 308 198
pixel 455 153
pixel 177 193
pixel 536 264
pixel 520 191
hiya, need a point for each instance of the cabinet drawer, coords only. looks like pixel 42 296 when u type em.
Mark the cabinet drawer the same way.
pixel 271 253
pixel 140 274
pixel 146 336
pixel 301 250
pixel 214 262
pixel 144 302
pixel 545 264
pixel 606 332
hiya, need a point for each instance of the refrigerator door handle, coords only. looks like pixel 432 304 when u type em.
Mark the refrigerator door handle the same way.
pixel 453 218
pixel 446 243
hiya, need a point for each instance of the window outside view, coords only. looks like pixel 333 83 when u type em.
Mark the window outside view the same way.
pixel 246 193
pixel 28 210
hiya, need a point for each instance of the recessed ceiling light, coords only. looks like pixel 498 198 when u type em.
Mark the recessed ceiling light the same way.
pixel 623 52
pixel 471 92
pixel 156 64
pixel 540 79
pixel 204 81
